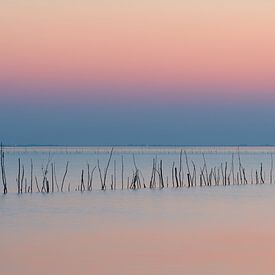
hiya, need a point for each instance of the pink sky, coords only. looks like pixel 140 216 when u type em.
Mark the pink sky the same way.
pixel 210 46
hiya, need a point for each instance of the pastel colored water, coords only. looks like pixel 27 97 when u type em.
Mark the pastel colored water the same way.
pixel 208 230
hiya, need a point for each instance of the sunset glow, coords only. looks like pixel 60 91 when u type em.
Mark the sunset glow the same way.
pixel 174 60
pixel 207 46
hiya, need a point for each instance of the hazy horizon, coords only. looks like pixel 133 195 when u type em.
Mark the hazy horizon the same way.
pixel 139 72
pixel 138 137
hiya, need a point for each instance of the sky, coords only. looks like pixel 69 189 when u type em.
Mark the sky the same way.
pixel 154 72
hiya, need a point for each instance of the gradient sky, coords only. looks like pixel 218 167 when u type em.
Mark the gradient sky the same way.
pixel 137 72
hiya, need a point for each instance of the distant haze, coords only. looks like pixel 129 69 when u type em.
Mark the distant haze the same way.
pixel 137 72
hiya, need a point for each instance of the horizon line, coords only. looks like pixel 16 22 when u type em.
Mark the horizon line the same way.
pixel 138 145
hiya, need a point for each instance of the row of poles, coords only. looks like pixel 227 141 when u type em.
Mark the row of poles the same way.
pixel 225 174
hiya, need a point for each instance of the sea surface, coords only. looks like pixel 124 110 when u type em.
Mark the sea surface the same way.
pixel 217 229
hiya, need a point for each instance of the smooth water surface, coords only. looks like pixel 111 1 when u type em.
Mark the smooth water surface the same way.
pixel 200 230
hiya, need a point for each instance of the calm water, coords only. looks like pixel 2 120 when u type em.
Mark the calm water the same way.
pixel 209 230
pixel 80 157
